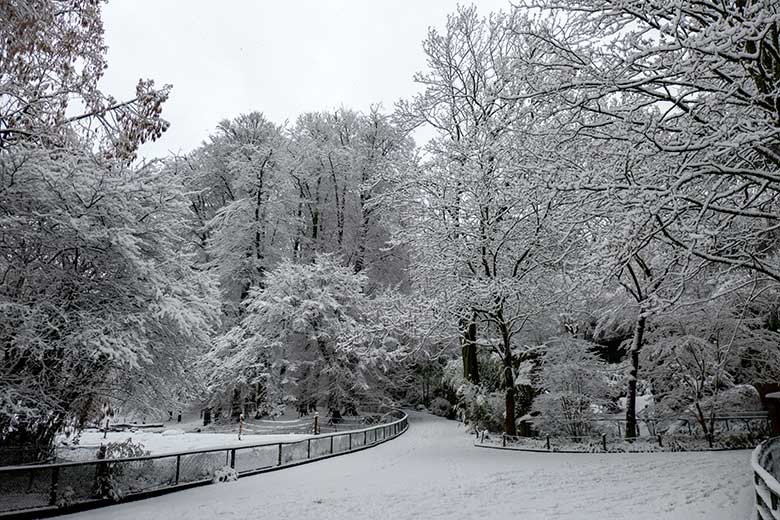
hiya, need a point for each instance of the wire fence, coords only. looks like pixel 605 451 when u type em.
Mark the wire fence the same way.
pixel 606 434
pixel 46 488
pixel 766 473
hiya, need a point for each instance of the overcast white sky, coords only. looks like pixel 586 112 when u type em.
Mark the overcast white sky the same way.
pixel 279 57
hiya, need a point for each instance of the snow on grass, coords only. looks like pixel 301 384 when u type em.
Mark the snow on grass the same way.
pixel 433 472
pixel 165 442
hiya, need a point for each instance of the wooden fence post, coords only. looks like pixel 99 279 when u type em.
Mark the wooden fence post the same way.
pixel 548 443
pixel 604 441
pixel 280 454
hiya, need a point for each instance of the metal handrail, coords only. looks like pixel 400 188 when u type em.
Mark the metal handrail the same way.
pixel 190 452
pixel 40 489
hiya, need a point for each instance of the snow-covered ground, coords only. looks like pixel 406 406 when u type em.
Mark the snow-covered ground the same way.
pixel 175 440
pixel 433 471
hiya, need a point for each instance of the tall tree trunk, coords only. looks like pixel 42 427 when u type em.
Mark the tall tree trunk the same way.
pixel 509 421
pixel 298 233
pixel 236 404
pixel 365 221
pixel 510 428
pixel 469 350
pixel 339 202
pixel 636 347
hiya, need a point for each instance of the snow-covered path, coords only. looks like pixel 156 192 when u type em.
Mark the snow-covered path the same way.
pixel 433 471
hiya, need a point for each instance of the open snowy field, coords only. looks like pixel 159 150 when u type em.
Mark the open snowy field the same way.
pixel 433 471
pixel 158 443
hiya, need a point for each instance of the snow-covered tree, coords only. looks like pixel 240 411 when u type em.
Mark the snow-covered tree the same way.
pixel 696 83
pixel 347 169
pixel 52 60
pixel 705 348
pixel 487 235
pixel 240 199
pixel 573 381
pixel 303 337
pixel 98 296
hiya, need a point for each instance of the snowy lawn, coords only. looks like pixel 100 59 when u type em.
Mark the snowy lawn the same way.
pixel 433 471
pixel 168 442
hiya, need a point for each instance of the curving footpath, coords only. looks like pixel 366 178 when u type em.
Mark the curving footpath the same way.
pixel 433 471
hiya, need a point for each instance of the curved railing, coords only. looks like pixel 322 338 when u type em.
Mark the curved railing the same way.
pixel 51 489
pixel 766 472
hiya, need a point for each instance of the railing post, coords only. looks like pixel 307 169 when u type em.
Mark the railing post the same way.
pixel 178 467
pixel 350 442
pixel 365 438
pixel 280 455
pixel 308 448
pixel 55 478
pixel 233 458
pixel 503 440
pixel 604 441
pixel 548 443
pixel 331 444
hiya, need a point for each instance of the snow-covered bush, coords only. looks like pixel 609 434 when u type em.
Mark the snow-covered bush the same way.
pixel 124 449
pixel 740 440
pixel 699 360
pixel 225 474
pixel 441 407
pixel 112 480
pixel 481 410
pixel 65 496
pixel 574 381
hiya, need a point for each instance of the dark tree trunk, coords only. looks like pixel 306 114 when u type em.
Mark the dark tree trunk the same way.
pixel 509 422
pixel 362 235
pixel 636 347
pixel 510 428
pixel 469 350
pixel 235 404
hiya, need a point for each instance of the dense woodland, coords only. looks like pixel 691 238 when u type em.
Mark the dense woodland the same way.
pixel 596 220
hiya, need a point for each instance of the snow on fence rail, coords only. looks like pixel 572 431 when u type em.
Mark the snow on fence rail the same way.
pixel 766 472
pixel 46 489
